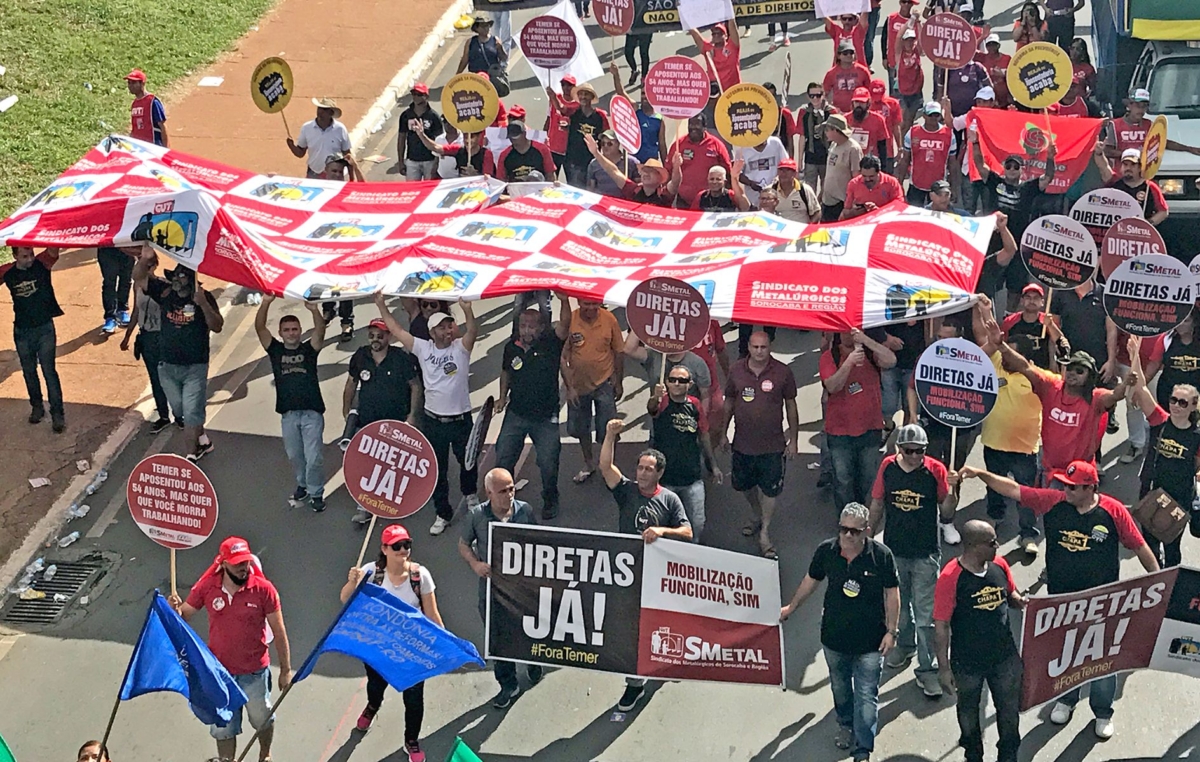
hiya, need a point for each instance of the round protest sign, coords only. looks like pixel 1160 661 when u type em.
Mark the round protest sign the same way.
pixel 1129 238
pixel 956 382
pixel 1100 209
pixel 1039 75
pixel 746 115
pixel 1058 252
pixel 549 42
pixel 390 469
pixel 677 86
pixel 625 123
pixel 271 85
pixel 614 16
pixel 667 314
pixel 1153 147
pixel 1149 295
pixel 948 40
pixel 1194 266
pixel 470 103
pixel 172 501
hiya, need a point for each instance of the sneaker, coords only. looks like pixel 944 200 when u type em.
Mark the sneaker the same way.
pixel 1113 425
pixel 179 423
pixel 898 659
pixel 1104 728
pixel 202 449
pixel 413 750
pixel 1029 545
pixel 109 327
pixel 159 425
pixel 346 335
pixel 629 699
pixel 439 526
pixel 633 78
pixel 950 534
pixel 58 423
pixel 365 719
pixel 504 699
pixel 123 318
pixel 843 738
pixel 1133 454
pixel 774 44
pixel 36 415
pixel 299 497
pixel 361 517
pixel 787 41
pixel 317 504
pixel 1061 713
pixel 549 512
pixel 536 674
pixel 930 685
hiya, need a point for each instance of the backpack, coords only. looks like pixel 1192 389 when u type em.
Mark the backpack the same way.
pixel 414 580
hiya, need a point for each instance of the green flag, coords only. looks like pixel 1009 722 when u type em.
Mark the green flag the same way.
pixel 459 753
pixel 6 754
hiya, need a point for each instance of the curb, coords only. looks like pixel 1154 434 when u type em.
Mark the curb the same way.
pixel 381 109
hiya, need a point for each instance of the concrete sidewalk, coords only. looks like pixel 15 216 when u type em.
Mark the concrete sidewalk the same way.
pixel 350 50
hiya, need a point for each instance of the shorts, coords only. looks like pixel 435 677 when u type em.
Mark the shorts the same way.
pixel 915 196
pixel 593 411
pixel 257 687
pixel 914 102
pixel 762 471
pixel 186 387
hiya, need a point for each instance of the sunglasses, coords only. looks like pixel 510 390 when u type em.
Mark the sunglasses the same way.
pixel 1181 402
pixel 1077 487
pixel 852 531
pixel 846 53
pixel 1012 165
pixel 674 380
pixel 429 305
pixel 816 96
pixel 402 545
pixel 913 450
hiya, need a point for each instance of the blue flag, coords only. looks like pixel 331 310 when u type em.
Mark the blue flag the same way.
pixel 394 638
pixel 169 656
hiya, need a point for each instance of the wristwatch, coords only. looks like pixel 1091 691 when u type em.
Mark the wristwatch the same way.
pixel 894 633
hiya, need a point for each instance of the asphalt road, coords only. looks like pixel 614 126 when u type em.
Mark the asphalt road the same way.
pixel 58 683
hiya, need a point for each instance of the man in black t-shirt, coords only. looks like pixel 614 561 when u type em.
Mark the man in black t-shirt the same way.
pixel 859 623
pixel 529 373
pixel 644 507
pixel 1082 318
pixel 975 643
pixel 1145 192
pixel 189 315
pixel 523 157
pixel 34 310
pixel 298 398
pixel 417 162
pixel 718 198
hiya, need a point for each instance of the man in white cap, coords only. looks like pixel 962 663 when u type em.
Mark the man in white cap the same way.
pixel 320 138
pixel 445 369
pixel 928 146
pixel 1146 192
pixel 910 77
pixel 1130 130
pixel 996 64
pixel 894 26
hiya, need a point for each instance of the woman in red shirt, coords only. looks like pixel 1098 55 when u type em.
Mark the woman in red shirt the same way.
pixel 1081 65
pixel 1030 27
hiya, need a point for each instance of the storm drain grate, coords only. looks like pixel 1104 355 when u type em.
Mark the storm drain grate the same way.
pixel 69 579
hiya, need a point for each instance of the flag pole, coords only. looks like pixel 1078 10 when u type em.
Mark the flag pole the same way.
pixel 173 590
pixel 112 718
pixel 258 731
pixel 366 540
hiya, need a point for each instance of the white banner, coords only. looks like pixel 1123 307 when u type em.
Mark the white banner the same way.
pixel 835 8
pixel 698 14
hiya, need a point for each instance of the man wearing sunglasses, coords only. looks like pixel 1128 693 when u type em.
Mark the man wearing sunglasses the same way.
pixel 858 623
pixel 974 640
pixel 1084 532
pixel 912 493
pixel 810 123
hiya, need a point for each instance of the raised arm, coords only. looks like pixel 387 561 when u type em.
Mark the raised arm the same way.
pixel 260 321
pixel 472 331
pixel 1009 250
pixel 562 327
pixel 404 337
pixel 1140 394
pixel 735 184
pixel 676 173
pixel 884 357
pixel 1051 165
pixel 212 316
pixel 317 340
pixel 612 475
pixel 612 169
pixel 1001 484
pixel 1101 161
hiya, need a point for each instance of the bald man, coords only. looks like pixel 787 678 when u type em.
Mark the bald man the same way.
pixel 759 392
pixel 974 641
pixel 503 507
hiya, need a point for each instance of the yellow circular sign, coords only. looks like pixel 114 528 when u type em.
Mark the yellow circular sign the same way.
pixel 1039 75
pixel 470 102
pixel 271 85
pixel 1154 147
pixel 746 115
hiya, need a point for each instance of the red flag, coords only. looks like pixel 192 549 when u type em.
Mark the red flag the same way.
pixel 1004 133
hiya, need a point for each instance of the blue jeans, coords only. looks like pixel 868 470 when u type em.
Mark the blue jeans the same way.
pixel 546 446
pixel 36 347
pixel 257 687
pixel 872 28
pixel 1101 694
pixel 1023 467
pixel 186 387
pixel 692 497
pixel 855 463
pixel 854 679
pixel 304 440
pixel 895 383
pixel 918 578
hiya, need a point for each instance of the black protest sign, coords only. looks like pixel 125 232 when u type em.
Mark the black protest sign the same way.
pixel 564 598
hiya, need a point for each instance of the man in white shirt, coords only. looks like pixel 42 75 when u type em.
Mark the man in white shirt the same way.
pixel 320 138
pixel 761 166
pixel 445 364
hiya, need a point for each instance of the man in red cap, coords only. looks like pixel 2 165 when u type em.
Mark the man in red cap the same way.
pixel 1084 530
pixel 890 111
pixel 1029 320
pixel 722 56
pixel 148 118
pixel 797 199
pixel 558 124
pixel 417 162
pixel 867 127
pixel 243 616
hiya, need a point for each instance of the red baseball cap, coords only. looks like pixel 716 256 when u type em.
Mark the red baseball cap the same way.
pixel 1079 473
pixel 394 533
pixel 878 87
pixel 137 75
pixel 235 550
pixel 861 94
pixel 516 111
pixel 724 31
pixel 1033 288
pixel 378 323
pixel 788 163
pixel 568 80
pixel 421 88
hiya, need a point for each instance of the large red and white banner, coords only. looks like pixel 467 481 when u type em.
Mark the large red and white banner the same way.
pixel 1017 133
pixel 318 239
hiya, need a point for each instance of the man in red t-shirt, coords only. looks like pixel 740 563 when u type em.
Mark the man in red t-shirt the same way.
pixel 927 150
pixel 558 124
pixel 996 64
pixel 243 615
pixel 722 56
pixel 1073 104
pixel 699 151
pixel 910 77
pixel 849 28
pixel 147 117
pixel 845 77
pixel 870 190
pixel 890 111
pixel 893 27
pixel 866 126
pixel 854 412
pixel 652 185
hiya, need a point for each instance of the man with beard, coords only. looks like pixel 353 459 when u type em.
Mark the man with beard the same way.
pixel 846 76
pixel 890 111
pixel 1146 192
pixel 243 616
pixel 868 128
pixel 1005 192
pixel 871 190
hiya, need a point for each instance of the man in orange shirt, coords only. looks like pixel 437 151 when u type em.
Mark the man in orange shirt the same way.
pixel 592 369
